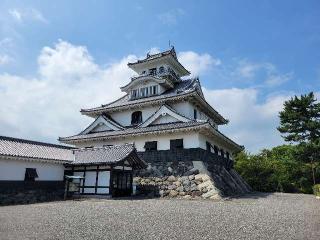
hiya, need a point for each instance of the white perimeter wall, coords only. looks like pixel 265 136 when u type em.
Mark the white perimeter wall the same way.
pixel 14 170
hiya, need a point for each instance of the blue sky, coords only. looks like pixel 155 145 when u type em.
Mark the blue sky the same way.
pixel 250 56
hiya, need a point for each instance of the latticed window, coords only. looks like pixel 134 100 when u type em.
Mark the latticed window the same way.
pixel 134 93
pixel 154 90
pixel 136 117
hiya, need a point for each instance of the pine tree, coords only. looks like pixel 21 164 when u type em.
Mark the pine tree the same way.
pixel 300 123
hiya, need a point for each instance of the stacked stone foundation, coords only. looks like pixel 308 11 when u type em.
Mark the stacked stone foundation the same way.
pixel 189 180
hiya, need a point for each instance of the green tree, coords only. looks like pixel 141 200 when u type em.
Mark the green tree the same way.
pixel 300 123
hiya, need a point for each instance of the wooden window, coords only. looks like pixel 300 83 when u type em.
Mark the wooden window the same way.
pixel 30 174
pixel 149 146
pixel 136 117
pixel 195 114
pixel 153 71
pixel 208 146
pixel 134 93
pixel 176 144
pixel 216 149
pixel 143 92
pixel 154 90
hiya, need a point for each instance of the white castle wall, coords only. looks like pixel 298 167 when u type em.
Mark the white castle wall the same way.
pixel 184 108
pixel 190 140
pixel 14 170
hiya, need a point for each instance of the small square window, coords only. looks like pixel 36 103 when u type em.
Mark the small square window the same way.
pixel 30 175
pixel 149 146
pixel 176 144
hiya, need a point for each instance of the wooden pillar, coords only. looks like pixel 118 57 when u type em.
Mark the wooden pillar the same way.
pixel 111 181
pixel 84 179
pixel 97 173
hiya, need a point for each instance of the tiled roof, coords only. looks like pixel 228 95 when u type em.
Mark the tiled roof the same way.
pixel 184 89
pixel 134 131
pixel 180 89
pixel 109 154
pixel 153 129
pixel 157 55
pixel 26 149
pixel 15 147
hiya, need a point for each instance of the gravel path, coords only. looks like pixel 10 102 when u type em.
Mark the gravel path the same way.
pixel 260 216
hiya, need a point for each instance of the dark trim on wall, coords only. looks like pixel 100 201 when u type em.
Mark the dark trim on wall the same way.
pixel 184 155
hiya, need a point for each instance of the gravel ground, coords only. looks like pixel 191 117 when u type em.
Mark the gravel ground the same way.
pixel 259 216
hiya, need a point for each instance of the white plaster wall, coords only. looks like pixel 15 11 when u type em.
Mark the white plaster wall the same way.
pixel 14 170
pixel 190 140
pixel 165 119
pixel 124 118
pixel 184 108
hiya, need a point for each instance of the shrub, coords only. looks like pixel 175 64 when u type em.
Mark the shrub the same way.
pixel 316 190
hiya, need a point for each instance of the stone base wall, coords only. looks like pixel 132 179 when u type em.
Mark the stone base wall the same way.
pixel 20 192
pixel 189 179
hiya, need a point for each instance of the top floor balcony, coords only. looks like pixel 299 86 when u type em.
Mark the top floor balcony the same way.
pixel 159 73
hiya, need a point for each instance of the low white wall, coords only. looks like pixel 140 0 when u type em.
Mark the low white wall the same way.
pixel 190 140
pixel 14 170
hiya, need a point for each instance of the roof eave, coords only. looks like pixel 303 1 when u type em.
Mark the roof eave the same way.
pixel 187 128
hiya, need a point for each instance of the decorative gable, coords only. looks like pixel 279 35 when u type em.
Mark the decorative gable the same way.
pixel 165 114
pixel 102 124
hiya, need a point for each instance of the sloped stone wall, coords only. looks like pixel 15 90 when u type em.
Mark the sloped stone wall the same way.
pixel 189 180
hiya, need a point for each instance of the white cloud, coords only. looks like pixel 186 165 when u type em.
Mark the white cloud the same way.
pixel 21 15
pixel 48 106
pixel 268 71
pixel 4 59
pixel 154 50
pixel 278 79
pixel 252 124
pixel 15 14
pixel 171 17
pixel 197 63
